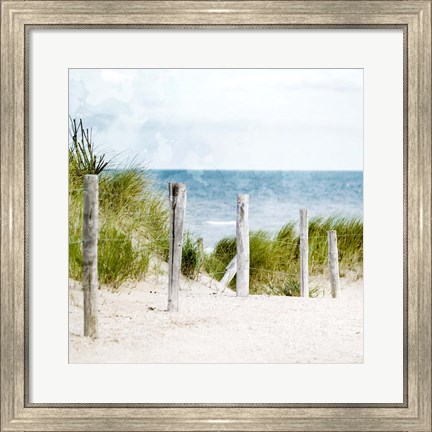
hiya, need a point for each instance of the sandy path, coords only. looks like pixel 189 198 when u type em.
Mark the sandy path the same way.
pixel 218 327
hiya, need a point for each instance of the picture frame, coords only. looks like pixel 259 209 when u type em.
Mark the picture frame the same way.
pixel 17 18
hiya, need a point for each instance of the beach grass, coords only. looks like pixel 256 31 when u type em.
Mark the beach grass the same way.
pixel 133 218
pixel 192 256
pixel 133 226
pixel 274 259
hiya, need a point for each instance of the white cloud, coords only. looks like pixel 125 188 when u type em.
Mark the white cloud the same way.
pixel 245 119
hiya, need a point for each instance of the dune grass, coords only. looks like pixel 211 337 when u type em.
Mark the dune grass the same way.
pixel 133 218
pixel 274 259
pixel 192 256
pixel 133 226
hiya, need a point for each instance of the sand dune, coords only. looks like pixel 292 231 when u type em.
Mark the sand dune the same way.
pixel 217 327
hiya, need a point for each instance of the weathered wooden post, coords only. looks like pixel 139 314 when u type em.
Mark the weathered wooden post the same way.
pixel 304 253
pixel 200 247
pixel 242 231
pixel 177 200
pixel 90 254
pixel 231 270
pixel 333 258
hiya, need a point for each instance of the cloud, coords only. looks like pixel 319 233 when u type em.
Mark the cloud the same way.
pixel 237 118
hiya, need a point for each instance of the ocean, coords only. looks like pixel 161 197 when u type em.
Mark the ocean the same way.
pixel 275 197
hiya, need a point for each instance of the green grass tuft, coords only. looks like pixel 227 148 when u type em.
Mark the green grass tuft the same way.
pixel 192 256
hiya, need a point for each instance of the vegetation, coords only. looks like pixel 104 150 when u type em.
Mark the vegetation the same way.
pixel 133 220
pixel 133 227
pixel 192 256
pixel 274 260
pixel 82 159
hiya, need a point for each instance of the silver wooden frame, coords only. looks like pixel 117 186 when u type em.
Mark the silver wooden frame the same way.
pixel 17 18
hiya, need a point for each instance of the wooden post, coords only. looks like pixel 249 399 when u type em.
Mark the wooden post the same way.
pixel 90 254
pixel 242 230
pixel 177 199
pixel 231 270
pixel 333 259
pixel 304 253
pixel 200 247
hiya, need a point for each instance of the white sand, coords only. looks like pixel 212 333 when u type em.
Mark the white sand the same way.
pixel 215 327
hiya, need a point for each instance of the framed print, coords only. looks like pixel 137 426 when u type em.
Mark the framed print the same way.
pixel 216 215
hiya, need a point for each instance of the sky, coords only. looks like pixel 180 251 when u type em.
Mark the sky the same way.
pixel 257 119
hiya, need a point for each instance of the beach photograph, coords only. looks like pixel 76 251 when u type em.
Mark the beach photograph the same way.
pixel 215 216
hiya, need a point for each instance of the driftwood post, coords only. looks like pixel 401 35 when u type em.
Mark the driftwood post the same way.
pixel 90 254
pixel 231 270
pixel 304 253
pixel 242 230
pixel 177 199
pixel 333 259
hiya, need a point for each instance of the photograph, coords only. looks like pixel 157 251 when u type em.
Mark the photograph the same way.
pixel 215 216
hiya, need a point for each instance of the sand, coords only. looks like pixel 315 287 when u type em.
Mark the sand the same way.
pixel 218 327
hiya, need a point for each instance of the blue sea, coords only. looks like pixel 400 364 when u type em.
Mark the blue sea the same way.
pixel 275 197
